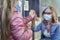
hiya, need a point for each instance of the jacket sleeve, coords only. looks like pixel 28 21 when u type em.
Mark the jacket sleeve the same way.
pixel 17 28
pixel 27 19
pixel 37 28
pixel 57 34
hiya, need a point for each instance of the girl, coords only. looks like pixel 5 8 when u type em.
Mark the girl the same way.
pixel 19 28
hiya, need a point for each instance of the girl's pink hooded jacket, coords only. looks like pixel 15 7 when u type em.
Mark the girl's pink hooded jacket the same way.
pixel 18 24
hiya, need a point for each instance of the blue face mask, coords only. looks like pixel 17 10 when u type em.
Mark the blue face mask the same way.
pixel 47 17
pixel 18 6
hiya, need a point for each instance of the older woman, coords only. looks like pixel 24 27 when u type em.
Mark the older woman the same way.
pixel 49 26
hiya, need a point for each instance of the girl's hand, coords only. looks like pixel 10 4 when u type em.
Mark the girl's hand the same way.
pixel 32 13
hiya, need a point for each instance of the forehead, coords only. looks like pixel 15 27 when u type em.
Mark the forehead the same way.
pixel 48 10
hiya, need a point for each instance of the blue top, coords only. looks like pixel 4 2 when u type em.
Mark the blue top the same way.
pixel 54 30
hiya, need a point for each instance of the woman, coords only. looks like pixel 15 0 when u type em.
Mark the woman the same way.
pixel 50 29
pixel 19 28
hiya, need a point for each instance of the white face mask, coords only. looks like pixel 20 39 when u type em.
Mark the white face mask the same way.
pixel 47 17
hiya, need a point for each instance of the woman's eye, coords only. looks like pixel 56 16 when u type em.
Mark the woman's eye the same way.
pixel 48 13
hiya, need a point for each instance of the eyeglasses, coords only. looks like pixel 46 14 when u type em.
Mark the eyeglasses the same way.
pixel 47 12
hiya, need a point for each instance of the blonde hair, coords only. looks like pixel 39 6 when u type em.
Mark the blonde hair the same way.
pixel 54 14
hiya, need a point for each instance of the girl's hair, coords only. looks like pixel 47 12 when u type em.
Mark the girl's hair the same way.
pixel 54 14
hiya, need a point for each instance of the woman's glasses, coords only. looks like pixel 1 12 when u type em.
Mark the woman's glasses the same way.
pixel 47 12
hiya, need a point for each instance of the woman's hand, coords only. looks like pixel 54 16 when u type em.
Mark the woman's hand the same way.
pixel 48 26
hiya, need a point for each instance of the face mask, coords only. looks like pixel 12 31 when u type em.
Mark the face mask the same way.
pixel 20 3
pixel 47 17
pixel 19 7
